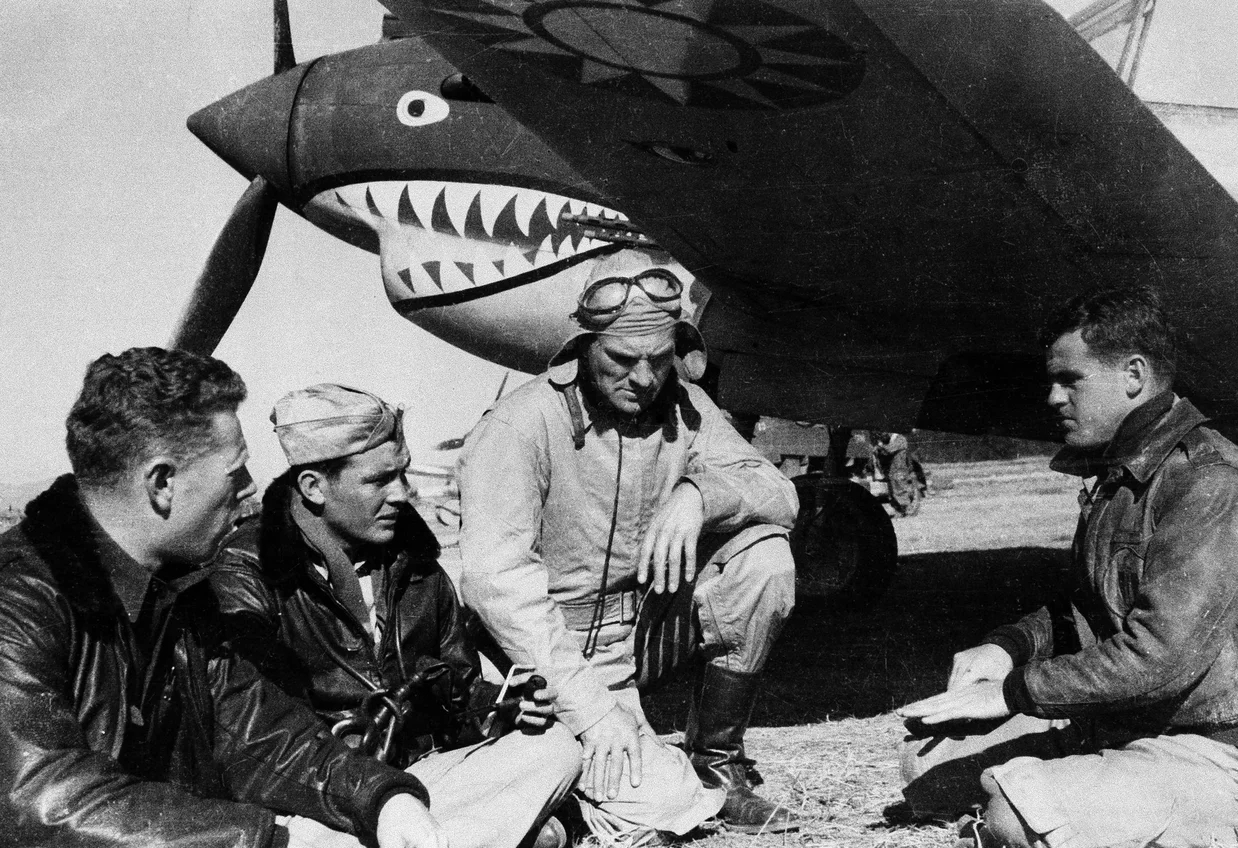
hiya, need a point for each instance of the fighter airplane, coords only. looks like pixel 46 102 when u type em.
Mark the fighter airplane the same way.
pixel 877 200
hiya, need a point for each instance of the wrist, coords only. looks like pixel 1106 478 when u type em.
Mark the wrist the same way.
pixel 422 798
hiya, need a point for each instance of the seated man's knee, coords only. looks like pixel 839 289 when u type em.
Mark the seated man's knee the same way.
pixel 912 761
pixel 937 783
pixel 554 751
pixel 1001 820
pixel 561 749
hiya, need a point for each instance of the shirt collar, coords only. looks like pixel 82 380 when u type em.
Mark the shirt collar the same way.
pixel 319 539
pixel 130 581
pixel 323 545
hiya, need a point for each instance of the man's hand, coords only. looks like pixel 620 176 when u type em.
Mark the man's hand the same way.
pixel 983 662
pixel 669 548
pixel 539 711
pixel 404 822
pixel 973 701
pixel 607 745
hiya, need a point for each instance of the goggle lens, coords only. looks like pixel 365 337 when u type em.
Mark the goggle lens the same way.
pixel 660 285
pixel 608 295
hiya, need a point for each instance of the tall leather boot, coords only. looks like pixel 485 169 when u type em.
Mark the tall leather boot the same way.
pixel 721 707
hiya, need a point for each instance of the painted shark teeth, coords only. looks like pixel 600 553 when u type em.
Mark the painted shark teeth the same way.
pixel 467 209
pixel 439 237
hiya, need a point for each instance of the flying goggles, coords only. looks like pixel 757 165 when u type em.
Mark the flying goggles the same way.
pixel 603 301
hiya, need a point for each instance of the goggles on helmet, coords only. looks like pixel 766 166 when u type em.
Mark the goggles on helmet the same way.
pixel 603 301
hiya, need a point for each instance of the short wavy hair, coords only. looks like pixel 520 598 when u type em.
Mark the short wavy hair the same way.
pixel 1116 322
pixel 142 402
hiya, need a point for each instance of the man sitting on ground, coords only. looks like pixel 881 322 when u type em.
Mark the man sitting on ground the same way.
pixel 1118 703
pixel 123 720
pixel 336 594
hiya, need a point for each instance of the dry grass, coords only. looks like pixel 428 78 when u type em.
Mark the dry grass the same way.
pixel 823 734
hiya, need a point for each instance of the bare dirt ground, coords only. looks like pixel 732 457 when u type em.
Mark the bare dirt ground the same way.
pixel 980 552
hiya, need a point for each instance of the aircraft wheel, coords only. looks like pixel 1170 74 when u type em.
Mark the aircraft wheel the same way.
pixel 843 541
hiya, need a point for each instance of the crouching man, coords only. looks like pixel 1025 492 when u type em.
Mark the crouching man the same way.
pixel 122 719
pixel 606 473
pixel 336 594
pixel 1114 710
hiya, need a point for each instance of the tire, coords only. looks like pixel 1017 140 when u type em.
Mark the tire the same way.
pixel 843 542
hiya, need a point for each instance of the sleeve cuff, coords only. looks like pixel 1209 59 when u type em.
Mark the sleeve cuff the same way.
pixel 1014 691
pixel 1013 641
pixel 715 504
pixel 581 719
pixel 399 783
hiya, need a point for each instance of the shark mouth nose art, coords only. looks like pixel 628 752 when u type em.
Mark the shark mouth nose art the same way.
pixel 448 242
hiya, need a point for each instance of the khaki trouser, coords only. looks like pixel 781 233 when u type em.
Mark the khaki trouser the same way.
pixel 1079 786
pixel 488 795
pixel 744 592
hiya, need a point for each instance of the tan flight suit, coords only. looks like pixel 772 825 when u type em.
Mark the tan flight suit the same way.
pixel 536 530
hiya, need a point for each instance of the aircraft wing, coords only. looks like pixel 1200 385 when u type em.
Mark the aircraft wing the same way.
pixel 884 196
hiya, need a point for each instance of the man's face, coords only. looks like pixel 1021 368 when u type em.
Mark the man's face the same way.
pixel 628 373
pixel 363 501
pixel 209 492
pixel 1090 396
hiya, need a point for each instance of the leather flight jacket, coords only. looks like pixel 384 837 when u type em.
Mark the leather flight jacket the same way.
pixel 1144 636
pixel 95 753
pixel 280 613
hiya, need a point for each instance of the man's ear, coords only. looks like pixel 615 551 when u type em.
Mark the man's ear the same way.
pixel 159 481
pixel 1138 374
pixel 310 484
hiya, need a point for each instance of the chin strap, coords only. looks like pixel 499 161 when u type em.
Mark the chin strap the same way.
pixel 571 394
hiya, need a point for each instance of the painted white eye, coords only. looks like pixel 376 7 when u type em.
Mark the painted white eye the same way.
pixel 418 108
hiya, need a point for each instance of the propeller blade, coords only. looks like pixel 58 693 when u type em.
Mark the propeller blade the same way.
pixel 230 270
pixel 284 57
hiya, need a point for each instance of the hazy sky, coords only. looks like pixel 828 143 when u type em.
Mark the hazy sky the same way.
pixel 113 206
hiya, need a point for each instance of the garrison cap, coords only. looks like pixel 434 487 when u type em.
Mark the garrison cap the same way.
pixel 329 421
